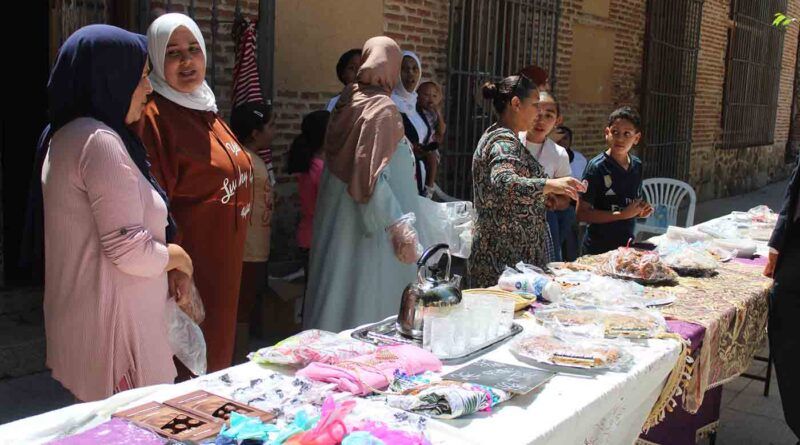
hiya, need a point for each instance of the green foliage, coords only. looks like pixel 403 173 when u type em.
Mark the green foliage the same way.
pixel 782 20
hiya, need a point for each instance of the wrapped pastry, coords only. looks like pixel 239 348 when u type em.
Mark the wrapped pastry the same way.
pixel 573 353
pixel 640 265
pixel 593 322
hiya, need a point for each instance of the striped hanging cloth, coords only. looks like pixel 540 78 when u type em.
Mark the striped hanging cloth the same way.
pixel 246 85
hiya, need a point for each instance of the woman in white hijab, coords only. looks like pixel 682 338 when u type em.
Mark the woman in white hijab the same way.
pixel 205 172
pixel 416 127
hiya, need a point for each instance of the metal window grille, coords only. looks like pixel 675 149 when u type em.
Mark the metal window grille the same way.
pixel 67 16
pixel 489 39
pixel 672 41
pixel 755 50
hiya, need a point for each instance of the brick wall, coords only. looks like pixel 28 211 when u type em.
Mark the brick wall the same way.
pixel 626 18
pixel 417 25
pixel 716 172
pixel 421 26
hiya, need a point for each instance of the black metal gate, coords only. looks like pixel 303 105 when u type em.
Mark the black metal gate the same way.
pixel 489 39
pixel 672 42
pixel 753 74
pixel 67 16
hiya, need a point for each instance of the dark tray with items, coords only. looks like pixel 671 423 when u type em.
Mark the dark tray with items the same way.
pixel 171 422
pixel 215 408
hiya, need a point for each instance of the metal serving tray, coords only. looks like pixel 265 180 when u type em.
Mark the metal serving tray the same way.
pixel 385 333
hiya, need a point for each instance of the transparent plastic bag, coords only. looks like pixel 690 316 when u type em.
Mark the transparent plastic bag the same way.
pixel 186 339
pixel 527 279
pixel 311 346
pixel 598 322
pixel 760 231
pixel 640 265
pixel 762 214
pixel 587 289
pixel 688 259
pixel 742 248
pixel 687 235
pixel 719 253
pixel 405 239
pixel 193 305
pixel 571 352
pixel 448 223
pixel 721 228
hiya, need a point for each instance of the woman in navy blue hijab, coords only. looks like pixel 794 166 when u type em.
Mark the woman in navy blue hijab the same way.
pixel 106 222
pixel 95 75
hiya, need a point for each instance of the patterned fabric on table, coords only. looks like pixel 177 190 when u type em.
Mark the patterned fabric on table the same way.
pixel 508 185
pixel 732 306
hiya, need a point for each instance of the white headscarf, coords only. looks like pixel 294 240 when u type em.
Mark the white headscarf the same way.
pixel 158 35
pixel 407 101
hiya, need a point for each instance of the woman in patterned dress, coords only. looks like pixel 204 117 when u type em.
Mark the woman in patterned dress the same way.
pixel 511 190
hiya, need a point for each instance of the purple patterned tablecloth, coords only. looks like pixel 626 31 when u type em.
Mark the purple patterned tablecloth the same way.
pixel 680 427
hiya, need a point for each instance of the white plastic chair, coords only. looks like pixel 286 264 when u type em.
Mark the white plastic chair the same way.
pixel 669 193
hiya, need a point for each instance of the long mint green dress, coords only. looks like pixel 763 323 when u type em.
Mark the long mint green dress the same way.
pixel 354 275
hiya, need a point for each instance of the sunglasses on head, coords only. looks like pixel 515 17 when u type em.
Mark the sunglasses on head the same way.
pixel 520 76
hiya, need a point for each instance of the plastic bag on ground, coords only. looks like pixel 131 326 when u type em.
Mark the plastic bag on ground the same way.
pixel 186 339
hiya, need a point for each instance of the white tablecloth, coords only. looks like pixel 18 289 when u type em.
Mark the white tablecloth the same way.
pixel 607 408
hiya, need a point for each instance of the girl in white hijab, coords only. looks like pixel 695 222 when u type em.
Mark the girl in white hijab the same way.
pixel 205 171
pixel 405 97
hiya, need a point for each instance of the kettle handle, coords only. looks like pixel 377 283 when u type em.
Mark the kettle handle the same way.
pixel 423 260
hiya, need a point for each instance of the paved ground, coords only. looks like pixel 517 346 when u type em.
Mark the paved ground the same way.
pixel 747 416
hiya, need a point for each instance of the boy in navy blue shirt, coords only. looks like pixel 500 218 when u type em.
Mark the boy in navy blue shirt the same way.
pixel 613 198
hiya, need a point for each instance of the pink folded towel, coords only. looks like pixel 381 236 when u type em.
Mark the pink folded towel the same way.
pixel 373 372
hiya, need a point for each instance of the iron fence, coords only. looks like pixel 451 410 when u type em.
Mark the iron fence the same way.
pixel 672 40
pixel 489 39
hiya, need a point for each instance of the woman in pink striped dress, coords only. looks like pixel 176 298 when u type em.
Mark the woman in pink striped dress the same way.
pixel 106 222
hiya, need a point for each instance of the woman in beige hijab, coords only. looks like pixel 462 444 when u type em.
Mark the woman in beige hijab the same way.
pixel 364 244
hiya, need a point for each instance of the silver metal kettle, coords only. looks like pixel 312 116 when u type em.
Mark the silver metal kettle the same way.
pixel 434 288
